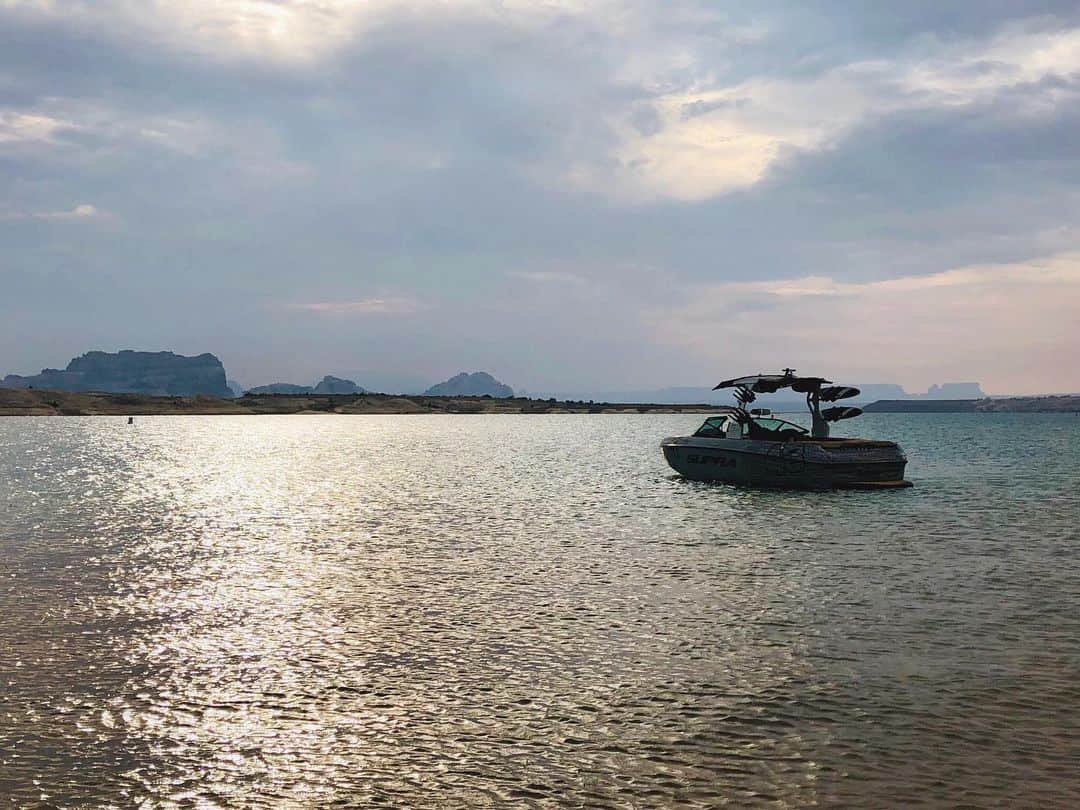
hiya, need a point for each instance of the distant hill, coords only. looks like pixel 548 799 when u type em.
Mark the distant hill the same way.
pixel 477 384
pixel 781 400
pixel 336 385
pixel 956 390
pixel 279 388
pixel 132 372
pixel 868 392
pixel 327 385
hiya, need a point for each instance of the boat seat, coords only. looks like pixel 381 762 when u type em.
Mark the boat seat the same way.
pixel 763 434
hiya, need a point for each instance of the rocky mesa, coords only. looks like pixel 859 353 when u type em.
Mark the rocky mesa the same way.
pixel 128 371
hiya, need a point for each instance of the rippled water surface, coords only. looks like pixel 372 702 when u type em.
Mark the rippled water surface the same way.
pixel 309 611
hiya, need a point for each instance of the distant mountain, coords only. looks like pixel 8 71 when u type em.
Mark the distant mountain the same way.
pixel 477 384
pixel 871 392
pixel 960 390
pixel 327 385
pixel 236 388
pixel 280 388
pixel 132 372
pixel 336 385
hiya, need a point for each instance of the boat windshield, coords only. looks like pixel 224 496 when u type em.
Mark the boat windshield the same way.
pixel 765 428
pixel 715 427
pixel 771 423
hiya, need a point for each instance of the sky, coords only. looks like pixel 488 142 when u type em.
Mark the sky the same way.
pixel 566 193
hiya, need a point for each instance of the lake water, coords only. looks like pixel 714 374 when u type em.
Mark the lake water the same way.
pixel 450 611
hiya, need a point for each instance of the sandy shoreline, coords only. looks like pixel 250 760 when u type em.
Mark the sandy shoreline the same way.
pixel 32 402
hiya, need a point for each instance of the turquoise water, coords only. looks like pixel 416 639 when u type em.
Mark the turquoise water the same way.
pixel 307 611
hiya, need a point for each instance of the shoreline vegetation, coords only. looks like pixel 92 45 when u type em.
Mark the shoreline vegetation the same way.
pixel 37 402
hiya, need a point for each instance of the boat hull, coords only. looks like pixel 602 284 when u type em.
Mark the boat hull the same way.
pixel 822 464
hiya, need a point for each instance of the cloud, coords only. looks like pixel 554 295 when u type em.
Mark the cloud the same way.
pixel 365 306
pixel 647 103
pixel 226 29
pixel 292 34
pixel 20 127
pixel 699 107
pixel 1010 325
pixel 708 141
pixel 548 277
pixel 80 213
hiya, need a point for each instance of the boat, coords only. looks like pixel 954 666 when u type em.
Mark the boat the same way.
pixel 756 448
